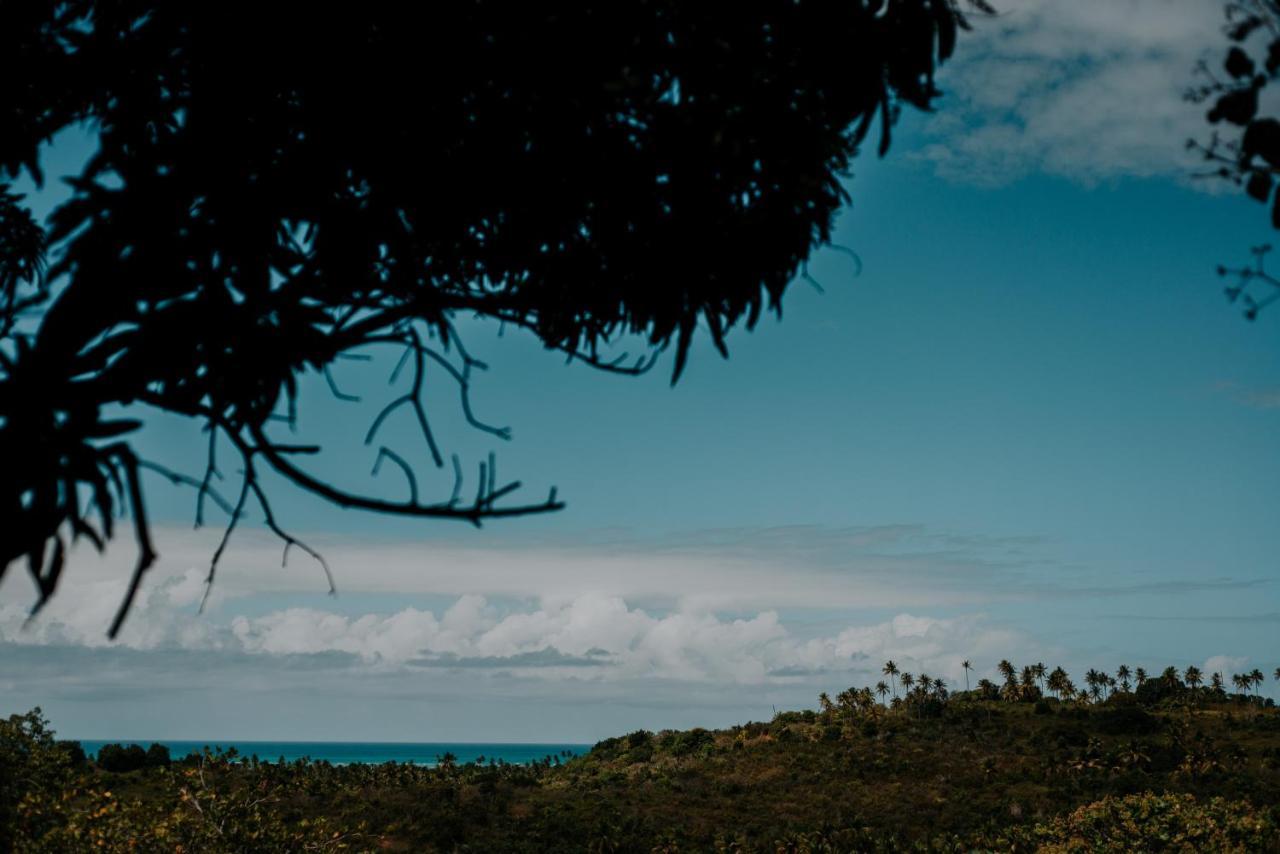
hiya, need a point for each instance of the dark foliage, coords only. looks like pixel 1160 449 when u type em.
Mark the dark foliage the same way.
pixel 1244 146
pixel 74 752
pixel 280 185
pixel 987 775
pixel 121 758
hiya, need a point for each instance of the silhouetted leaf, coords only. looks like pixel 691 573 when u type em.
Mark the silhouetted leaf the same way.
pixel 1259 186
pixel 1237 107
pixel 1262 139
pixel 1238 64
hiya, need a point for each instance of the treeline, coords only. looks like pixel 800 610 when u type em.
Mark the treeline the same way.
pixel 924 695
pixel 119 758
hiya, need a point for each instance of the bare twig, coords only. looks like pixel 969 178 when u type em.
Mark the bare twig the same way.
pixel 386 453
pixel 146 552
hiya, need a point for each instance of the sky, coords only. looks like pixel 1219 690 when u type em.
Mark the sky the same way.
pixel 1028 425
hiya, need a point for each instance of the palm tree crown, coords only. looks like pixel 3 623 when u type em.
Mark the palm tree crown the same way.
pixel 890 669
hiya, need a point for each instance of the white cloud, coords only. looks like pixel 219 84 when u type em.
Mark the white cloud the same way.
pixel 1087 89
pixel 610 608
pixel 592 636
pixel 1225 664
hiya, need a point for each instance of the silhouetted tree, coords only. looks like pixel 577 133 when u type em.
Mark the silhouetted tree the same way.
pixel 119 758
pixel 158 756
pixel 278 186
pixel 1244 146
pixel 1192 676
pixel 891 670
pixel 1058 682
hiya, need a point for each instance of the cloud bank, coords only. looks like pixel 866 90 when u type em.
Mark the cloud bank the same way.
pixel 610 632
pixel 592 636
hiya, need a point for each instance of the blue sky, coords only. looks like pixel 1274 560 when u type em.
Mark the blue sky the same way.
pixel 1031 427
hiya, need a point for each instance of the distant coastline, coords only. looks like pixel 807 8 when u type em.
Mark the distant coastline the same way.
pixel 355 752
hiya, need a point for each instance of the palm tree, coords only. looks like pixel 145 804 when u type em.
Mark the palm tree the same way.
pixel 1170 677
pixel 1277 674
pixel 1038 670
pixel 925 682
pixel 882 689
pixel 1058 682
pixel 1006 670
pixel 824 703
pixel 847 700
pixel 866 700
pixel 891 670
pixel 1192 676
pixel 1140 676
pixel 1123 675
pixel 1256 676
pixel 1215 681
pixel 966 666
pixel 907 681
pixel 940 688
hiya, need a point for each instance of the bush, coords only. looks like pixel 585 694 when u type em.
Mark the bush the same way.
pixel 158 756
pixel 34 771
pixel 1151 822
pixel 639 738
pixel 74 753
pixel 688 743
pixel 119 759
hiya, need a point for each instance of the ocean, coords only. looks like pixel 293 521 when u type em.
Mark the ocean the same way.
pixel 344 752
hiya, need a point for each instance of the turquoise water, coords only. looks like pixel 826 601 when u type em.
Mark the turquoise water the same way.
pixel 344 752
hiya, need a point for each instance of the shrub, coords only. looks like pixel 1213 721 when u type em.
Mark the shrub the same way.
pixel 119 759
pixel 74 753
pixel 34 771
pixel 158 756
pixel 639 737
pixel 687 743
pixel 1149 822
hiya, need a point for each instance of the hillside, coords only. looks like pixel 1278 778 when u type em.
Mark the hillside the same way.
pixel 1192 772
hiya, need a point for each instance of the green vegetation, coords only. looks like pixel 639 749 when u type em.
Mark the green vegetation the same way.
pixel 1130 762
